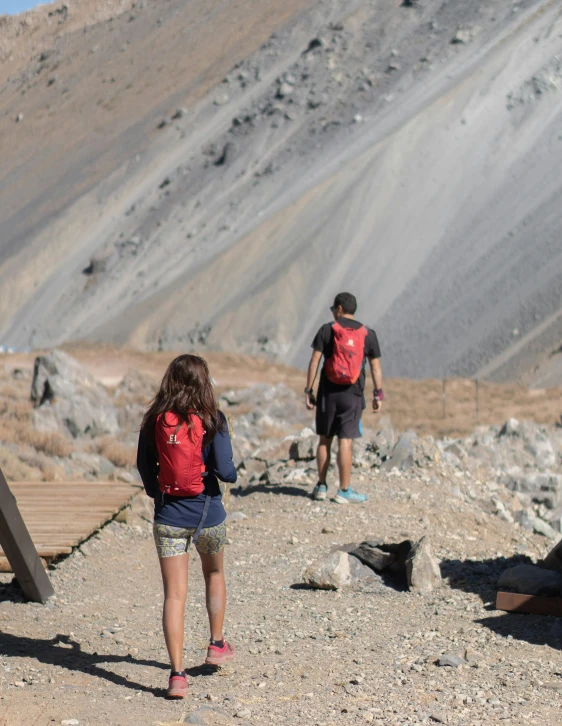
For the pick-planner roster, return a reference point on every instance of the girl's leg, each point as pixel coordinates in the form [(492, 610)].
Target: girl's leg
[(215, 591), (174, 576)]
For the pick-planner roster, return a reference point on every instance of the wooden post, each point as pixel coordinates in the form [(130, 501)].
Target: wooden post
[(20, 550)]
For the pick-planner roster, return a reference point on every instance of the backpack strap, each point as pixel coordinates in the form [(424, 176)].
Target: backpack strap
[(202, 520)]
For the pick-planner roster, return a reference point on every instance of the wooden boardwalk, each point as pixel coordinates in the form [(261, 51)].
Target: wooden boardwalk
[(61, 515)]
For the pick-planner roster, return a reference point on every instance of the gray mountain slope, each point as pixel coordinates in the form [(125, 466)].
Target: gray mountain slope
[(410, 154)]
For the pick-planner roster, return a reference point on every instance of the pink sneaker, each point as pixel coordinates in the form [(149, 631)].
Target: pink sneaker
[(177, 687), (220, 656)]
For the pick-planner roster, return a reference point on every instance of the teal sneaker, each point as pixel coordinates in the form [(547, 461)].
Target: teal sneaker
[(320, 492), (348, 496)]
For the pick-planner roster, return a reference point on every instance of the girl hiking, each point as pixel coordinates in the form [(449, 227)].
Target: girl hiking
[(184, 450)]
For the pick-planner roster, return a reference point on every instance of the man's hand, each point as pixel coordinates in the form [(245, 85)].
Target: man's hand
[(377, 405), (310, 401)]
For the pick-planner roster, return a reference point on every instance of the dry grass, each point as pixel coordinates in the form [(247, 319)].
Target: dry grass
[(119, 454)]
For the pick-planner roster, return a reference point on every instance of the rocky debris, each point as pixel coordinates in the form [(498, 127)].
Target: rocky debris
[(422, 570), (68, 398), (531, 580)]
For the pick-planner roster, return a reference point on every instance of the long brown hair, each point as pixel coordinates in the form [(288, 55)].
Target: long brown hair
[(185, 389)]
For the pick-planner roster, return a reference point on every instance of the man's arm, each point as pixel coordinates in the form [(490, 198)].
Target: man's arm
[(311, 375), (376, 375)]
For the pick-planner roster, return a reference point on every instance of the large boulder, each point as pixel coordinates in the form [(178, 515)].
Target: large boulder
[(68, 398)]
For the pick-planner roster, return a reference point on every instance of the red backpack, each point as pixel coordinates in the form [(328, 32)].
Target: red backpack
[(180, 455), (344, 366)]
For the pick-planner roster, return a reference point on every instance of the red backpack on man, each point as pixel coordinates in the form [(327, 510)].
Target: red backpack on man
[(180, 455), (345, 364)]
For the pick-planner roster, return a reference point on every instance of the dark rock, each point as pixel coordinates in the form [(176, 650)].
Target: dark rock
[(531, 580), (381, 556)]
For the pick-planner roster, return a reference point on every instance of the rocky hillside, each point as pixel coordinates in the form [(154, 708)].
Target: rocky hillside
[(196, 173)]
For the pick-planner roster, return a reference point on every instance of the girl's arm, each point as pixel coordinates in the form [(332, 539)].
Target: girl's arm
[(147, 464), (222, 449)]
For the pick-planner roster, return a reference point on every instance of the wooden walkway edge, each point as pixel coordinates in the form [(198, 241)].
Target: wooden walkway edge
[(61, 515)]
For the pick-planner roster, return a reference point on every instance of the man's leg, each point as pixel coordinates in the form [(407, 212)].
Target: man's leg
[(349, 428), (320, 491), (345, 458), (323, 457)]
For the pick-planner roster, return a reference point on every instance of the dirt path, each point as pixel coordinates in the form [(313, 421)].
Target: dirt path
[(304, 657)]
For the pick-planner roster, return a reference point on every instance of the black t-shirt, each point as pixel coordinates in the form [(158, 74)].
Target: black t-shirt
[(324, 343)]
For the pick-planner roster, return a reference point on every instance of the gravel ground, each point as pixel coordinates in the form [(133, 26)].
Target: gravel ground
[(368, 654)]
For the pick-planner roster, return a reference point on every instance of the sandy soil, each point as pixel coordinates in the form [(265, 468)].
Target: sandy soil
[(96, 653)]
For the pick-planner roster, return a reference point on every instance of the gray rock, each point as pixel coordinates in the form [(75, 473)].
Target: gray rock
[(304, 448), (544, 528), (531, 580), (329, 573), (68, 397), (451, 660), (422, 570), (358, 572), (402, 456)]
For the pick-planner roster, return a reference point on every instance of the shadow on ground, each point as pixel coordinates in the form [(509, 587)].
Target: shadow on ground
[(480, 577), (66, 653), (289, 491)]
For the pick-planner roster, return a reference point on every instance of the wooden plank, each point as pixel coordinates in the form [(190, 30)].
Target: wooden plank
[(61, 515), (515, 603), (20, 550)]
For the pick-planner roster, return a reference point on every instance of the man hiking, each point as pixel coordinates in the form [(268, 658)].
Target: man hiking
[(345, 344)]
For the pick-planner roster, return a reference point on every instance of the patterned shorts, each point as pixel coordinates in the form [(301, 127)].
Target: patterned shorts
[(171, 541)]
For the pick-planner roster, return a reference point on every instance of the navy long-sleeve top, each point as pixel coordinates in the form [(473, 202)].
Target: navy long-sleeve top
[(187, 511)]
